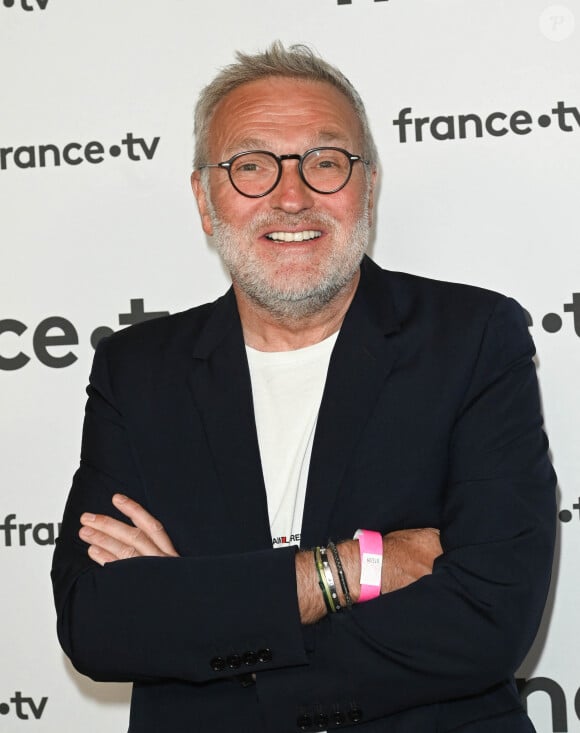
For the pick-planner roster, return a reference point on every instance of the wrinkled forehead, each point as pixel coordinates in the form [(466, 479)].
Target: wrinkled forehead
[(277, 112)]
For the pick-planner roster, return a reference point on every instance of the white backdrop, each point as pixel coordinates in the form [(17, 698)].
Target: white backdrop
[(110, 86)]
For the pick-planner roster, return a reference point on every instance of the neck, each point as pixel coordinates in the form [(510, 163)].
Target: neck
[(265, 331)]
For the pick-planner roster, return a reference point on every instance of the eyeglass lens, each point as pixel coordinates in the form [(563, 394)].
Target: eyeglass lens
[(324, 169)]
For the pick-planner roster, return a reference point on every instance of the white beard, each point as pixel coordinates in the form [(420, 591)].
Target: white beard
[(289, 297)]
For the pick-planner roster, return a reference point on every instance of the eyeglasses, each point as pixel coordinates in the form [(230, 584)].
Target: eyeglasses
[(255, 173)]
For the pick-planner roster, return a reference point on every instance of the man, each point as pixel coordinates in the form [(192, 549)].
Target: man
[(320, 396)]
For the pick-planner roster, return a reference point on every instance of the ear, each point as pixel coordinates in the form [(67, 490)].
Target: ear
[(202, 203), (374, 174)]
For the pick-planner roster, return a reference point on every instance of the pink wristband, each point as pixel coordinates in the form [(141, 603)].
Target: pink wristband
[(371, 562)]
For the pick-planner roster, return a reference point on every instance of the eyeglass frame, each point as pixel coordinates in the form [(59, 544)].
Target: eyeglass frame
[(227, 165)]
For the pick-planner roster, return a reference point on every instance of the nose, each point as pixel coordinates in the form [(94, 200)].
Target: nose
[(291, 194)]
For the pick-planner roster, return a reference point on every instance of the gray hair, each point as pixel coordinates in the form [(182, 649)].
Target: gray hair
[(296, 62)]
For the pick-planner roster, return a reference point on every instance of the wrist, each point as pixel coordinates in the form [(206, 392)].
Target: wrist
[(310, 601)]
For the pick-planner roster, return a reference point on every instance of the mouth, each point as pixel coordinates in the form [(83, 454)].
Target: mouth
[(302, 236)]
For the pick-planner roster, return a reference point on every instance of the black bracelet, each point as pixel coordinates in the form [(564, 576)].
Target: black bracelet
[(341, 574)]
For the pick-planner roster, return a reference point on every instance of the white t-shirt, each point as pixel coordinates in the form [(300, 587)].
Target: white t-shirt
[(287, 389)]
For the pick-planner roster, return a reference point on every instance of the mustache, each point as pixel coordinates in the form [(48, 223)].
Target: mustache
[(276, 219), (279, 221)]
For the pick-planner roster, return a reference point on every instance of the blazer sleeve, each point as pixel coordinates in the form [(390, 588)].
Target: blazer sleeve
[(192, 618), (467, 627)]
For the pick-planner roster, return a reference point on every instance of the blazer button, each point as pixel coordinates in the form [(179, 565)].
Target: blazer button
[(234, 661), (265, 655), (322, 720), (218, 664), (304, 722), (355, 715), (246, 680), (250, 658), (338, 718)]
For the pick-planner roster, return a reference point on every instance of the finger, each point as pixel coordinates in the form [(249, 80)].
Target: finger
[(100, 556), (112, 547), (146, 522), (115, 536), (435, 542)]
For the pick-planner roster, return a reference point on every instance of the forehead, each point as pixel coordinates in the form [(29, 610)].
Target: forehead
[(280, 113)]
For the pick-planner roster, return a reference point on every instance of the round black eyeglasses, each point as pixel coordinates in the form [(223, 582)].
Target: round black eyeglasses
[(255, 173)]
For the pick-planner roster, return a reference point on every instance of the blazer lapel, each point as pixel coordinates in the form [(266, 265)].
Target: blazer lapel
[(362, 359), (222, 391)]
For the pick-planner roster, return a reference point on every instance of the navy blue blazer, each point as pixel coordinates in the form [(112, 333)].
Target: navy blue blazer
[(430, 418)]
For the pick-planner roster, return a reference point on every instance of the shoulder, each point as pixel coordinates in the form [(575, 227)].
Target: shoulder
[(169, 337), (440, 302), (452, 323)]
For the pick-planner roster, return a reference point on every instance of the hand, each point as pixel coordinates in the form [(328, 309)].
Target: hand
[(408, 554), (110, 540)]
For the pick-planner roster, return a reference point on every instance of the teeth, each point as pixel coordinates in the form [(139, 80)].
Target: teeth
[(294, 236)]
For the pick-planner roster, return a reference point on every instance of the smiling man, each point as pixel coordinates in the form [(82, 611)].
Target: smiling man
[(337, 507), (294, 253)]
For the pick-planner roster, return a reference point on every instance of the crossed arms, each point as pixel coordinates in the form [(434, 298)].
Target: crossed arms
[(409, 554), (135, 611)]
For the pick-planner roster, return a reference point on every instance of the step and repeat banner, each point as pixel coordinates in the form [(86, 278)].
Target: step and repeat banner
[(475, 105)]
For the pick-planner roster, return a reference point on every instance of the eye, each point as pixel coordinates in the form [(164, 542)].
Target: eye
[(253, 164), (247, 167), (326, 163)]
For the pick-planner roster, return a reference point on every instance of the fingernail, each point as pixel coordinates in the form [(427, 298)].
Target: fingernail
[(86, 532), (120, 498), (88, 517)]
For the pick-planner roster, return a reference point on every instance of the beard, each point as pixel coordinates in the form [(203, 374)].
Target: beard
[(288, 293)]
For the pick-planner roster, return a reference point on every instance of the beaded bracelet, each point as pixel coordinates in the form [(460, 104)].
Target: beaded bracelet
[(341, 574)]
